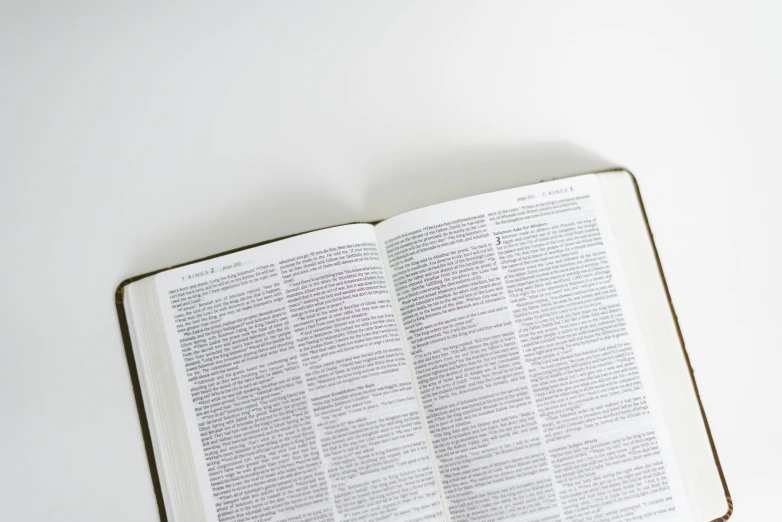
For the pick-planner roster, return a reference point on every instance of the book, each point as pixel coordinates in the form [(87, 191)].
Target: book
[(507, 356)]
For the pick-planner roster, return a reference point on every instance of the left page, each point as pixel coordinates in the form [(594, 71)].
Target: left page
[(297, 397)]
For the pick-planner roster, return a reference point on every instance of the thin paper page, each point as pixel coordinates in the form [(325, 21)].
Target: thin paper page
[(536, 391), (295, 385)]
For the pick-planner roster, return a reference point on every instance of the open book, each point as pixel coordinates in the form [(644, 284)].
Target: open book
[(509, 356)]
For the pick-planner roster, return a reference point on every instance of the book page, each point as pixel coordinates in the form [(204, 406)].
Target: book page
[(536, 391), (297, 396)]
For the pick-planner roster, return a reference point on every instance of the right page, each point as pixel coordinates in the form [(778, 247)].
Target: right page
[(538, 398)]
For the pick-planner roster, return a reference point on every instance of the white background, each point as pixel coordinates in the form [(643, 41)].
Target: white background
[(140, 136)]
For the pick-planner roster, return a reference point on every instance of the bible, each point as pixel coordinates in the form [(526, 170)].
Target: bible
[(507, 356)]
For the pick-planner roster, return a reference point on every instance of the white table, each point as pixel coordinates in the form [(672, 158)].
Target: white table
[(141, 136)]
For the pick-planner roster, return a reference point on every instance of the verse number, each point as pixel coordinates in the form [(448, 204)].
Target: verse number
[(498, 240)]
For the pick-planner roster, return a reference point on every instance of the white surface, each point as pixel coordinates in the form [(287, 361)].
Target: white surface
[(140, 136)]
